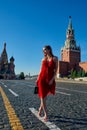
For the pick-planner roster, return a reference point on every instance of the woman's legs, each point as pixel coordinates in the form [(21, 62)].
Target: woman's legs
[(40, 109), (43, 106)]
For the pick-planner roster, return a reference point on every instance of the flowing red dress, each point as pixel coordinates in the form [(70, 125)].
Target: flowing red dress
[(46, 74)]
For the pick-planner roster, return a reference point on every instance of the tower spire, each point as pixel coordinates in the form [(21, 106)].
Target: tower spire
[(70, 30), (4, 55), (70, 23), (5, 45)]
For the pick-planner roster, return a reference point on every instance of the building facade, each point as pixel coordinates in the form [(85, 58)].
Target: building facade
[(70, 54), (6, 68)]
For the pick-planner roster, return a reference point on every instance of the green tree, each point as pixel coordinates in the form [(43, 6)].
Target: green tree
[(83, 73), (79, 74), (21, 76), (71, 73), (74, 74)]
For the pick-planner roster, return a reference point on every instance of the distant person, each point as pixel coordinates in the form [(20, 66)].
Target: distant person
[(46, 78)]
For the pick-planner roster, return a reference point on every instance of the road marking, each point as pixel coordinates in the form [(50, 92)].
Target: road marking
[(5, 86), (72, 90), (16, 95), (63, 93), (49, 124), (2, 82), (13, 119)]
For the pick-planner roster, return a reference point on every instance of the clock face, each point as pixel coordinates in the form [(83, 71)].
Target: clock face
[(72, 43)]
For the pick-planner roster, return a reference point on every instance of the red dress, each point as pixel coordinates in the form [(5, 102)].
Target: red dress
[(46, 74)]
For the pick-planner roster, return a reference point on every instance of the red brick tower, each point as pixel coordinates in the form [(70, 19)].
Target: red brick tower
[(70, 52)]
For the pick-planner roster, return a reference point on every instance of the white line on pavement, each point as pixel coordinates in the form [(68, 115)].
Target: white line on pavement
[(63, 93), (2, 82), (72, 90), (49, 124), (16, 95), (5, 86)]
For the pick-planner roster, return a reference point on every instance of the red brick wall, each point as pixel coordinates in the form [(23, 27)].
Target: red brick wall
[(71, 56), (65, 56), (83, 66), (74, 56), (62, 68)]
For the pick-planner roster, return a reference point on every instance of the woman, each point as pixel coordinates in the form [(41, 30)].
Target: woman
[(46, 78)]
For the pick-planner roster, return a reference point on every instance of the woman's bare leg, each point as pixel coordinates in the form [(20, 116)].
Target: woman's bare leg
[(43, 102), (40, 109), (43, 107)]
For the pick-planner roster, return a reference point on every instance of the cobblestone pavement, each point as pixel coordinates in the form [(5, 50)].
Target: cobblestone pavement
[(67, 109)]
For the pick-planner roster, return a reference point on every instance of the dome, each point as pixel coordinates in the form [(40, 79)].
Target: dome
[(12, 58)]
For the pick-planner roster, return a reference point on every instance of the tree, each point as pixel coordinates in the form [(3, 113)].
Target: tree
[(21, 76), (79, 74), (73, 74), (85, 74)]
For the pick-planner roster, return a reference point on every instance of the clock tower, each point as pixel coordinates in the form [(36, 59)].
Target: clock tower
[(70, 52)]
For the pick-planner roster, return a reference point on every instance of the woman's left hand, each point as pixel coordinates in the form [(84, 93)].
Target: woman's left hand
[(50, 82)]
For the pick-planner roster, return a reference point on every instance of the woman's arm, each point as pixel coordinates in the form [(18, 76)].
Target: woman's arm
[(56, 65), (39, 71), (55, 59)]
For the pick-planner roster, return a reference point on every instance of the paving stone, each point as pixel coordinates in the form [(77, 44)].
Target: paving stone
[(67, 112)]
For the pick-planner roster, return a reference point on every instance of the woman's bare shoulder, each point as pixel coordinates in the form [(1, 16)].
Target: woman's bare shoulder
[(43, 59)]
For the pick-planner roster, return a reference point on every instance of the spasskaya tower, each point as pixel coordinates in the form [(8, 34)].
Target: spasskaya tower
[(70, 52)]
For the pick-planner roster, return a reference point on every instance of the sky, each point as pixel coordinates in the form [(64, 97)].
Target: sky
[(27, 25)]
